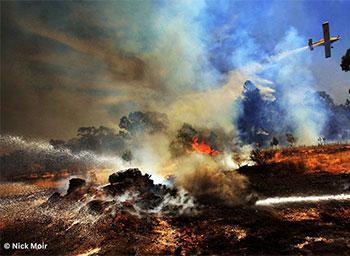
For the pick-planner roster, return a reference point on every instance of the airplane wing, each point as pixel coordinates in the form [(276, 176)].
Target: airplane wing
[(327, 50), (326, 37), (325, 27)]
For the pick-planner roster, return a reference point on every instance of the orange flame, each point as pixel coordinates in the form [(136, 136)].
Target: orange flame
[(203, 148)]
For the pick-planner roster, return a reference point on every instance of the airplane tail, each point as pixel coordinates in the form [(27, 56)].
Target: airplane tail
[(310, 44)]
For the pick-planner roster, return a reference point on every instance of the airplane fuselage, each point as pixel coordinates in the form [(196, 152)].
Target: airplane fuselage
[(322, 41)]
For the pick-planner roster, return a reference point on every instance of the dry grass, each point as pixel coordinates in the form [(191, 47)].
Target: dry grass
[(332, 158)]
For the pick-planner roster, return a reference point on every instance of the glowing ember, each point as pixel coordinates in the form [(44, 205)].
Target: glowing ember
[(203, 148)]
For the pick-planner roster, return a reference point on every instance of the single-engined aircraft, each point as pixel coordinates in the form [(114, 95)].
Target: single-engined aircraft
[(326, 41)]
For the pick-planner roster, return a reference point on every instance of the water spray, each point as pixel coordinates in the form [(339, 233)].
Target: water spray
[(255, 67), (43, 149), (285, 54), (302, 199)]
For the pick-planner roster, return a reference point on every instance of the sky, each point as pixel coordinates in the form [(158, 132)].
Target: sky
[(66, 64)]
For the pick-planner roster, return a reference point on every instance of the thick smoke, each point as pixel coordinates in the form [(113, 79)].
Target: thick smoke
[(207, 180), (146, 57), (291, 104), (294, 79), (124, 57)]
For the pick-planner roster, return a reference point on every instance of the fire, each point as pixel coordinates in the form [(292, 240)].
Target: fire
[(203, 148)]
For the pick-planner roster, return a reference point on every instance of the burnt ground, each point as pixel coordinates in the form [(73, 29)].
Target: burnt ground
[(212, 229), (308, 229)]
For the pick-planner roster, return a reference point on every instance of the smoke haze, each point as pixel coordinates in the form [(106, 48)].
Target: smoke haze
[(100, 61)]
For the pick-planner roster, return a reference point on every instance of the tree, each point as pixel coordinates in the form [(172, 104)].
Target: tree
[(345, 61), (57, 144), (87, 140), (258, 156), (321, 140), (86, 131), (144, 122), (127, 155), (274, 142), (347, 102), (290, 138)]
